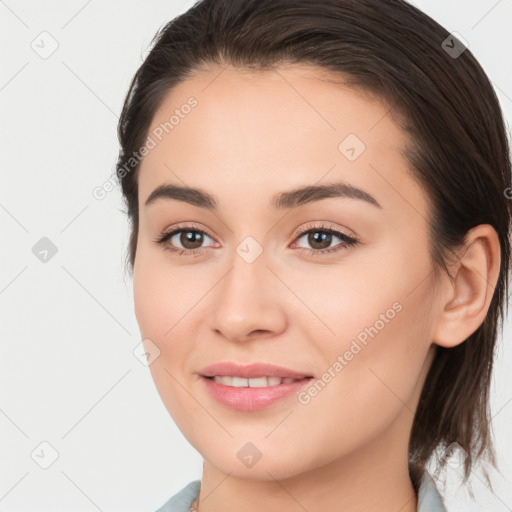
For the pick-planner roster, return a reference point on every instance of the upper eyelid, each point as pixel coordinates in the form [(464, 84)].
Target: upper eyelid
[(186, 227), (323, 227)]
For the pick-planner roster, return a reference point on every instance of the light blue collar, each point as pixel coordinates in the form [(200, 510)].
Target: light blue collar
[(429, 499)]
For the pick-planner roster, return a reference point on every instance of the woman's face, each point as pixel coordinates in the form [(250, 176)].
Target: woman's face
[(268, 284)]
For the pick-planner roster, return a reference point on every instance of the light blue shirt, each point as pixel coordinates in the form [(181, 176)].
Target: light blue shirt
[(429, 499)]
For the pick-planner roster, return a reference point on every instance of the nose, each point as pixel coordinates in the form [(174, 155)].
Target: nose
[(249, 302)]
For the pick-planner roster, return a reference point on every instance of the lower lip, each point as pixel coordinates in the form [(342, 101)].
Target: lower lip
[(252, 399)]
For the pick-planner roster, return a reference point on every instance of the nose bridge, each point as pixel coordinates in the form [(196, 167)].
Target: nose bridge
[(247, 278), (246, 299), (248, 259)]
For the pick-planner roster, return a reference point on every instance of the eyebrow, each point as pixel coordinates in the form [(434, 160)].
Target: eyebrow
[(288, 199)]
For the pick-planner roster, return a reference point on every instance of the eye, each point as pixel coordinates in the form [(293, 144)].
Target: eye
[(185, 240), (320, 239), (188, 240)]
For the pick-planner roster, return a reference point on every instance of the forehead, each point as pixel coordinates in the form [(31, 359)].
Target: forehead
[(272, 129)]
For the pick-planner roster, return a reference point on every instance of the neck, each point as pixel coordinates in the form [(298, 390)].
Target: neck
[(373, 477)]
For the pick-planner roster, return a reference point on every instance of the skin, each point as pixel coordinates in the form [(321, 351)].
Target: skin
[(251, 136)]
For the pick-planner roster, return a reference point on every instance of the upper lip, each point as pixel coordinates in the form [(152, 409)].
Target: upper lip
[(250, 371)]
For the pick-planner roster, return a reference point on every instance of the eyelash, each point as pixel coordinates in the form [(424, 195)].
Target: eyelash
[(347, 241)]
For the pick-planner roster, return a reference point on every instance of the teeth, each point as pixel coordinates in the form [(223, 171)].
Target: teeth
[(259, 382)]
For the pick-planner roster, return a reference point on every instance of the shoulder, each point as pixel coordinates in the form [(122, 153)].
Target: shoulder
[(181, 501), (429, 499)]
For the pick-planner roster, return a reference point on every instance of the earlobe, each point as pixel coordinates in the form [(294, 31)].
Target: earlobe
[(471, 289)]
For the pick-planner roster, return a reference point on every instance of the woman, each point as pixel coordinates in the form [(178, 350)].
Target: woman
[(319, 247)]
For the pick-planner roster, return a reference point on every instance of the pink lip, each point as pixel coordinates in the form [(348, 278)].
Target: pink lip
[(252, 399), (251, 371)]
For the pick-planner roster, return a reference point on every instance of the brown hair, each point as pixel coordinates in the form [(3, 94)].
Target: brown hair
[(445, 102)]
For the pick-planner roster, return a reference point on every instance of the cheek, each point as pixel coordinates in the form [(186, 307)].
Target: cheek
[(366, 385), (161, 302), (372, 331), (169, 304), (163, 295), (147, 296)]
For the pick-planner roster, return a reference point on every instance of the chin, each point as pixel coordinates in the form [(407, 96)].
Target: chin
[(250, 462)]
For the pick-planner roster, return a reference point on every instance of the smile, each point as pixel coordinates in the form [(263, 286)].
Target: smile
[(258, 382)]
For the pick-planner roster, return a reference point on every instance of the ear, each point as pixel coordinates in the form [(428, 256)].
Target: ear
[(467, 297)]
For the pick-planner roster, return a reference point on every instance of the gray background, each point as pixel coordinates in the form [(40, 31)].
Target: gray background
[(68, 373)]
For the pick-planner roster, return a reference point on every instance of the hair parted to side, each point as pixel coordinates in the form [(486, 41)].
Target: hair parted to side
[(460, 154)]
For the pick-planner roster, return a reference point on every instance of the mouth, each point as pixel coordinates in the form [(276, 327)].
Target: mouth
[(252, 387), (255, 382), (252, 375)]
